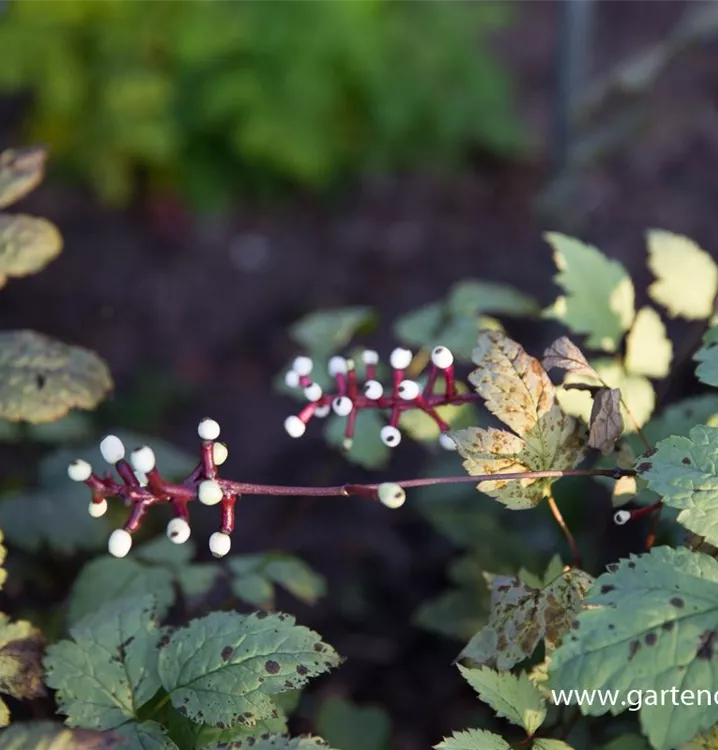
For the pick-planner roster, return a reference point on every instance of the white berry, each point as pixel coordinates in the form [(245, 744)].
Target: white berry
[(390, 436), (342, 406), (400, 358), (322, 411), (219, 453), (391, 494), (178, 530), (302, 365), (112, 449), (408, 390), (219, 544), (79, 471), (621, 517), (370, 357), (209, 492), (373, 390), (337, 366), (291, 379), (120, 543), (97, 510), (294, 426), (446, 442), (143, 459), (442, 357), (208, 429), (313, 392)]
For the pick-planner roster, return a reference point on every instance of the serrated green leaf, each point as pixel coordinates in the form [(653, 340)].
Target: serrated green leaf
[(469, 298), (146, 736), (648, 625), (686, 276), (50, 735), (27, 245), (512, 697), (522, 616), (599, 295), (648, 350), (349, 726), (106, 578), (325, 332), (683, 472), (473, 739), (275, 742), (21, 171), (213, 738), (367, 449), (21, 647), (546, 744), (518, 391), (707, 358), (221, 669), (677, 419), (109, 668)]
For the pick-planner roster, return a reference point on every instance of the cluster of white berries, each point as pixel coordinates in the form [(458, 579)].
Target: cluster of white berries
[(405, 391)]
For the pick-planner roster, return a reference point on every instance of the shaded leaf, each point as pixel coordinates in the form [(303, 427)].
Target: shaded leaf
[(648, 624), (512, 697), (21, 171), (325, 332), (41, 379), (148, 735), (254, 589), (3, 555), (296, 577), (686, 276), (473, 739), (108, 670), (677, 419), (367, 449), (648, 350), (27, 245), (599, 294), (222, 668), (606, 422), (21, 647), (469, 298), (705, 741), (274, 742), (707, 358), (349, 726), (547, 744), (421, 327), (565, 355), (50, 735)]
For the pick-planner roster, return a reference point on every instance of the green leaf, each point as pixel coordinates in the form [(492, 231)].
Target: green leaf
[(512, 697), (473, 739), (649, 624), (522, 616), (457, 613), (367, 450), (705, 741), (146, 736), (254, 589), (207, 737), (648, 350), (683, 472), (686, 276), (274, 742), (325, 332), (518, 391), (677, 419), (599, 294), (27, 245), (106, 578), (75, 426), (296, 577), (21, 171), (49, 735), (469, 298), (222, 668), (628, 742), (41, 379), (197, 579), (108, 670), (21, 647), (546, 744), (421, 327), (350, 726), (707, 358), (420, 426)]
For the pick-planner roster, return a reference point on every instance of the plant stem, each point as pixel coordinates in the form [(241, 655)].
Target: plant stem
[(564, 527)]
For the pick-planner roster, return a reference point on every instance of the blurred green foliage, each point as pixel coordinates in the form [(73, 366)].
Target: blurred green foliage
[(213, 97)]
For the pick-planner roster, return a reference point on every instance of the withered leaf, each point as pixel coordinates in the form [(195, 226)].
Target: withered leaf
[(21, 171), (27, 245), (565, 355), (606, 420), (21, 648)]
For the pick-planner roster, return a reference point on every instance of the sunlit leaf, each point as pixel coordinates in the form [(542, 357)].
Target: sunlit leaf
[(21, 171), (50, 735), (27, 245), (704, 741), (606, 422), (473, 739), (565, 355), (21, 647), (648, 350)]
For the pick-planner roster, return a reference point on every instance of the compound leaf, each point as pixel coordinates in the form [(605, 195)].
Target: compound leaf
[(146, 736), (222, 668), (686, 276), (599, 295), (49, 735), (683, 472), (512, 697), (648, 350), (649, 624), (109, 668), (21, 647), (324, 332), (707, 358), (21, 171), (473, 739), (518, 391), (27, 245), (41, 379)]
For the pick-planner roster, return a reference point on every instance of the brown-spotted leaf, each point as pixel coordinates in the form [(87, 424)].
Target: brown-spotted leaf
[(565, 355), (21, 648), (521, 616), (21, 171), (51, 735), (41, 378), (606, 420), (27, 245), (3, 555)]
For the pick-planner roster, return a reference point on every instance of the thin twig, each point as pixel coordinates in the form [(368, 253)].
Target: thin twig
[(564, 527)]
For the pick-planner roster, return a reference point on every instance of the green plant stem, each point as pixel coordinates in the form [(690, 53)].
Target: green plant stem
[(564, 527)]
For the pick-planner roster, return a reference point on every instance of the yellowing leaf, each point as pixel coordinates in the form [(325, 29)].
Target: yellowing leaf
[(606, 420), (21, 171), (686, 276), (648, 350), (21, 647), (519, 392), (27, 245), (599, 299), (706, 741), (41, 379), (3, 555)]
